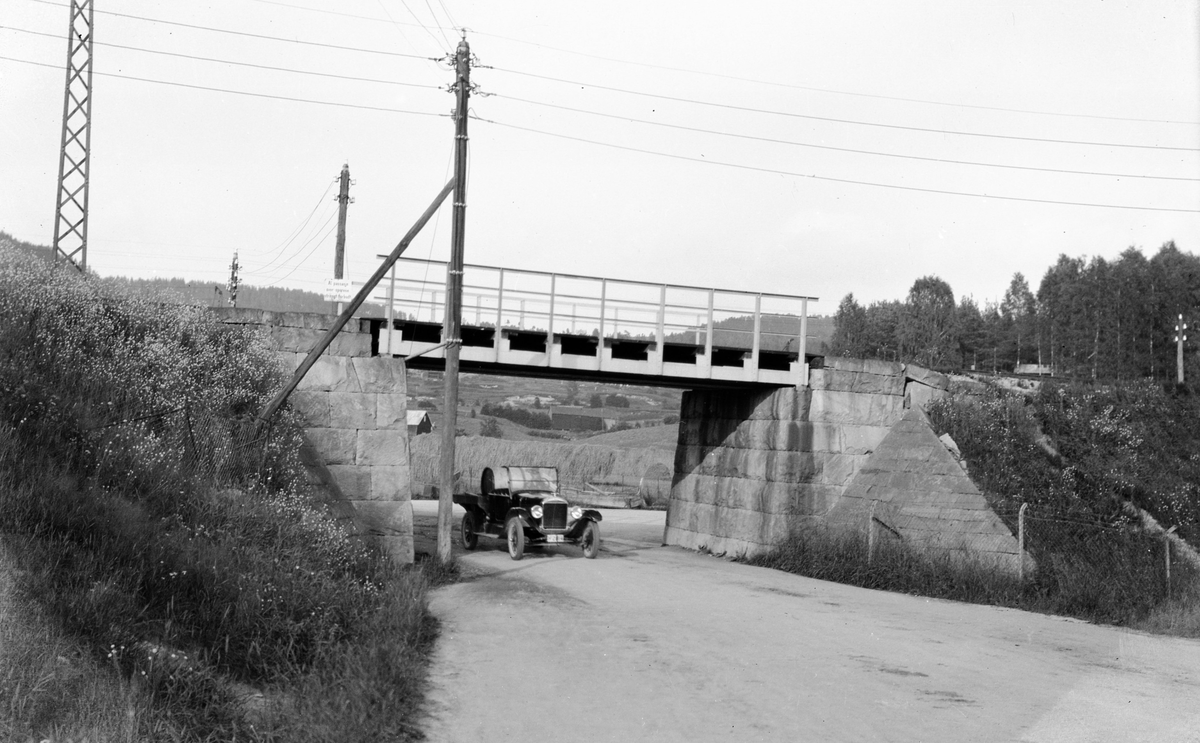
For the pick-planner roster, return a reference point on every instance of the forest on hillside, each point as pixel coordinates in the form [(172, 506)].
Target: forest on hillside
[(1089, 318), (209, 293)]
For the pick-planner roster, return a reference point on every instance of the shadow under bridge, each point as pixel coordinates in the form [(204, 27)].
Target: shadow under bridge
[(532, 323)]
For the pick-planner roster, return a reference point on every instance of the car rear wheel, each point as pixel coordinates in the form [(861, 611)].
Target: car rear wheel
[(516, 538), (590, 541), (467, 533)]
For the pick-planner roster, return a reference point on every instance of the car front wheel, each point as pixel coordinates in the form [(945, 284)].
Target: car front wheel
[(516, 538), (467, 533), (590, 541)]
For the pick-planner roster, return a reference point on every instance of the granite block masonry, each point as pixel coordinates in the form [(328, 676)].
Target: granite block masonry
[(353, 406), (750, 466), (914, 487)]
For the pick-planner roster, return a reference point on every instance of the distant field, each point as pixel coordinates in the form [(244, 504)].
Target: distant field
[(578, 462), (657, 437)]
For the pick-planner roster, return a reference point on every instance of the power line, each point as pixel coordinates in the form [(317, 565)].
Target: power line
[(447, 12), (669, 68), (831, 91), (736, 78), (833, 148), (433, 15), (283, 264), (414, 15), (231, 62), (773, 171), (333, 12), (789, 114), (247, 33), (291, 237), (236, 92), (303, 260)]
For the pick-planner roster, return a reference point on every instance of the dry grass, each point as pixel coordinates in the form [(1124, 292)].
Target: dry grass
[(576, 463), (658, 437), (1179, 615)]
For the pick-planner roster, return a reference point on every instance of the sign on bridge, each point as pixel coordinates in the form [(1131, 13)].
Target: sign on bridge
[(337, 290)]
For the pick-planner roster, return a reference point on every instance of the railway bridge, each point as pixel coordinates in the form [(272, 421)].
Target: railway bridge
[(770, 434)]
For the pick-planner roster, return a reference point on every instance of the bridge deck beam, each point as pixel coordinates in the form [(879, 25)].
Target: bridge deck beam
[(523, 351)]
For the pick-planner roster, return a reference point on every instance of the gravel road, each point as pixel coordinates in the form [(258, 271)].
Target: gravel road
[(650, 643)]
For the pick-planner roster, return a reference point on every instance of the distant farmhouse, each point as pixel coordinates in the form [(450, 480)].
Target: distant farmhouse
[(418, 422)]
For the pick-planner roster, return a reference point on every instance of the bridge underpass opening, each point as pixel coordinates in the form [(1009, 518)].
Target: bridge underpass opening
[(613, 443)]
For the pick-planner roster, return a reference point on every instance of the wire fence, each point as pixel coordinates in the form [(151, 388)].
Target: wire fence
[(1119, 558), (155, 448), (1123, 556)]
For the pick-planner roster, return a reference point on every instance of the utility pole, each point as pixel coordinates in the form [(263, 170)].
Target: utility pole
[(233, 280), (454, 275), (1180, 327), (71, 209), (339, 254)]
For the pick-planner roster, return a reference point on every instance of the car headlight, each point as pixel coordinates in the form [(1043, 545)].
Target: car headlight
[(536, 512), (576, 513)]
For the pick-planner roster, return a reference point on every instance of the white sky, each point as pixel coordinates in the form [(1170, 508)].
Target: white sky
[(182, 177)]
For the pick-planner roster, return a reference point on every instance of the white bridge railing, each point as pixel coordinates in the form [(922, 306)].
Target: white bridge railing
[(565, 305)]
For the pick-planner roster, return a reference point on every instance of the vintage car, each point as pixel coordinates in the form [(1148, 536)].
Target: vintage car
[(522, 506)]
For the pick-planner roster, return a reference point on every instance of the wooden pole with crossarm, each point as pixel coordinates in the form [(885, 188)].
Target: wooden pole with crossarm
[(451, 328)]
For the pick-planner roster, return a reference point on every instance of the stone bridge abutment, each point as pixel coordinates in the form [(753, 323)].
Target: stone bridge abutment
[(753, 466), (354, 410)]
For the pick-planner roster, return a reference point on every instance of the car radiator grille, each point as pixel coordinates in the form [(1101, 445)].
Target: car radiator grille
[(554, 515)]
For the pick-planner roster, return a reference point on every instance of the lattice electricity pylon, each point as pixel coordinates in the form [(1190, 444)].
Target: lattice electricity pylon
[(70, 216)]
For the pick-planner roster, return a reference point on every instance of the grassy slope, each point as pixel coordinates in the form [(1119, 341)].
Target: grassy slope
[(181, 558), (51, 683), (655, 437)]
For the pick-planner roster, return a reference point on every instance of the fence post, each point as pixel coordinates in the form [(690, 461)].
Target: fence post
[(871, 534), (1167, 550), (1021, 543)]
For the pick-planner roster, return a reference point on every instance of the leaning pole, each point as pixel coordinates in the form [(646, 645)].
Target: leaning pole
[(318, 349)]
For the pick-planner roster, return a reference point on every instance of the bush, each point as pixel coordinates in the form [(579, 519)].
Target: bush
[(491, 429), (527, 418), (1080, 456), (162, 525), (548, 435)]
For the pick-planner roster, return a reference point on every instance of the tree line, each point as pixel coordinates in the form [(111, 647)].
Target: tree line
[(1092, 318)]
